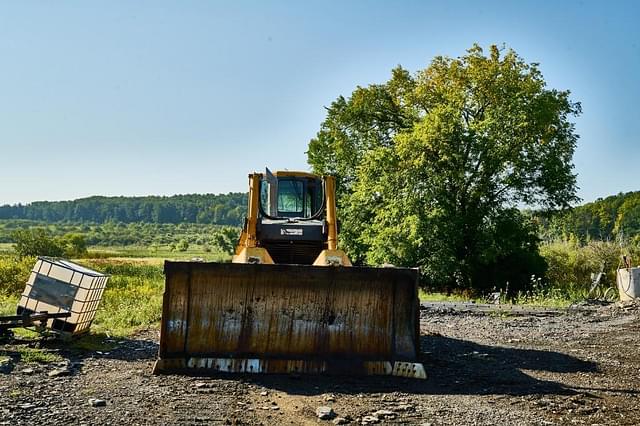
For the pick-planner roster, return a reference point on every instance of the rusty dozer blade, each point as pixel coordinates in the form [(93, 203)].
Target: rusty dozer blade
[(253, 318)]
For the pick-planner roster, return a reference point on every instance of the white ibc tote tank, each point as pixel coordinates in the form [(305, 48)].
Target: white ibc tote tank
[(628, 280)]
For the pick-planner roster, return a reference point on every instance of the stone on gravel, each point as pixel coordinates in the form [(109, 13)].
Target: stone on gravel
[(27, 406), (5, 367), (96, 402), (27, 371), (340, 421), (585, 411), (264, 393), (64, 371), (368, 420), (381, 414), (325, 413), (403, 407)]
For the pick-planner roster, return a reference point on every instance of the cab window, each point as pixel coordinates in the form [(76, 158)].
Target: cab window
[(290, 196)]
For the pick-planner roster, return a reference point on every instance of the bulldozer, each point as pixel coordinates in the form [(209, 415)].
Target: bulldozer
[(290, 301)]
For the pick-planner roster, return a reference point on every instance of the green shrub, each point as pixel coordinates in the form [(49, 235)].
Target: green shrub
[(183, 245), (36, 242), (74, 245), (8, 304), (39, 242), (225, 239), (14, 272), (570, 264)]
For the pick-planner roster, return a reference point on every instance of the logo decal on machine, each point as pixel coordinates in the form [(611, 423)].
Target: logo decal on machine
[(291, 231)]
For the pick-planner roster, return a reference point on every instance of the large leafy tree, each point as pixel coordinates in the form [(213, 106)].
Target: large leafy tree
[(433, 166)]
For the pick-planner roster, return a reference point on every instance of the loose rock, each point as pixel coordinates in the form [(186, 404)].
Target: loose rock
[(325, 413), (382, 414), (403, 407), (59, 372), (96, 402), (27, 406)]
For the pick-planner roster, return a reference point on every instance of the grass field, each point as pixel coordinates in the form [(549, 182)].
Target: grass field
[(156, 253), (133, 297)]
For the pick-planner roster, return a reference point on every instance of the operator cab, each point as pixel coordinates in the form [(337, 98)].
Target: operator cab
[(291, 223), (291, 195)]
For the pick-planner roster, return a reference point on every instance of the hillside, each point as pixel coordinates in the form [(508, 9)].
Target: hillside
[(222, 209), (604, 219)]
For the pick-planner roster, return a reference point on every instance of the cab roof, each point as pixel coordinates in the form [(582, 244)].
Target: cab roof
[(291, 173)]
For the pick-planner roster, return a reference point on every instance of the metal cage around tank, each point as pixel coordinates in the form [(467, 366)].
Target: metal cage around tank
[(59, 286)]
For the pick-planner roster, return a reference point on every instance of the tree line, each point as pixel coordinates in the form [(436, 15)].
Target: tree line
[(606, 219), (222, 209)]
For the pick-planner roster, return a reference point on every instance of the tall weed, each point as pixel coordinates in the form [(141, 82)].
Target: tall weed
[(133, 298), (14, 272), (571, 265)]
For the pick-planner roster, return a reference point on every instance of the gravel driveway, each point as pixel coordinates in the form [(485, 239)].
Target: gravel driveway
[(485, 367)]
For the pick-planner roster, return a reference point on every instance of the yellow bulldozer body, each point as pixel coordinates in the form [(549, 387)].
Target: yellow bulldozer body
[(255, 315)]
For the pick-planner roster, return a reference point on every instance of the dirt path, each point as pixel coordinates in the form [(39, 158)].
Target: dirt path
[(484, 368)]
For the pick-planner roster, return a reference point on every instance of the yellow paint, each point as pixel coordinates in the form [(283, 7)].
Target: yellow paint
[(330, 194), (248, 236), (253, 255), (289, 173), (332, 258), (249, 240)]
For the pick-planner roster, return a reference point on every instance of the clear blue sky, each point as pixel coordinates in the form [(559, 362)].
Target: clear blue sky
[(152, 97)]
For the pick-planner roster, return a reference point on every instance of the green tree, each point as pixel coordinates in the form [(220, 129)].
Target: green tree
[(36, 242), (225, 239), (183, 245), (606, 219), (431, 167), (74, 245)]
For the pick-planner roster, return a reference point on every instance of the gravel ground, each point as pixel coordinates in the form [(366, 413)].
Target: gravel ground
[(485, 368)]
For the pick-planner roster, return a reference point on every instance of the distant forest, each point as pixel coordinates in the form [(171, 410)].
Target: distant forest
[(222, 209), (605, 219)]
